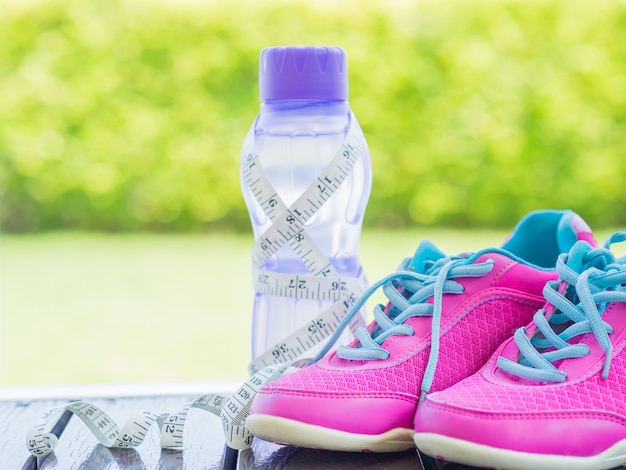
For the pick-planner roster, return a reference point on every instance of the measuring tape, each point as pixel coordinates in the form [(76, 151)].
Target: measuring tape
[(232, 410), (323, 284), (288, 222), (306, 287)]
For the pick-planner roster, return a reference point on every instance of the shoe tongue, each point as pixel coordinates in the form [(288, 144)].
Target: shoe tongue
[(426, 254)]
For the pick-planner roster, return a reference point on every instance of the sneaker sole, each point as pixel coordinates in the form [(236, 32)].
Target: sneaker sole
[(287, 431), (469, 453)]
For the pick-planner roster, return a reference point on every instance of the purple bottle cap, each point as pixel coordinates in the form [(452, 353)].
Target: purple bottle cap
[(303, 72)]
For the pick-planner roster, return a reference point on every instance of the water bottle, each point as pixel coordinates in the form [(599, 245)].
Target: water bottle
[(292, 159)]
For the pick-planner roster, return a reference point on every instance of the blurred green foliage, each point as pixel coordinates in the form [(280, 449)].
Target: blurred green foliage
[(129, 114)]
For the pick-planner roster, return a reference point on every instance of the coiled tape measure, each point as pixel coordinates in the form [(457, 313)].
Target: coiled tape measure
[(322, 284), (232, 410)]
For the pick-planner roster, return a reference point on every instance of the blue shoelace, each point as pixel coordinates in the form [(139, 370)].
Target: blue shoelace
[(428, 274), (591, 279)]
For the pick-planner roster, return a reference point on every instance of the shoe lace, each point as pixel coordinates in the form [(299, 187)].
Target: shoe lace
[(428, 274), (590, 279)]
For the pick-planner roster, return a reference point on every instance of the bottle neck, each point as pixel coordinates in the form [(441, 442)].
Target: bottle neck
[(306, 107), (318, 117)]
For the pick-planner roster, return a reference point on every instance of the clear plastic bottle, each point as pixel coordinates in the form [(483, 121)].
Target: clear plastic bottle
[(304, 119)]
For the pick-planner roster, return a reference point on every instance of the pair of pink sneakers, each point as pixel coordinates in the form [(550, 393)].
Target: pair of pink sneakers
[(424, 373)]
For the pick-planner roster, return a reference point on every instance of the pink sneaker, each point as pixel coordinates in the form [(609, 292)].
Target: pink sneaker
[(554, 395), (445, 317)]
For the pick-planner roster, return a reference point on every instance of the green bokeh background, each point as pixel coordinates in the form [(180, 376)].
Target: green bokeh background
[(128, 115)]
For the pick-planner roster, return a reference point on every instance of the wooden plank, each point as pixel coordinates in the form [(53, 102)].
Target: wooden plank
[(113, 390), (203, 448), (204, 443)]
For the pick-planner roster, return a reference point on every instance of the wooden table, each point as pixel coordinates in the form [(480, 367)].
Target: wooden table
[(21, 408)]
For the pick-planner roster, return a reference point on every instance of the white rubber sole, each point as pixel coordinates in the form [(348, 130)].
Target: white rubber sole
[(469, 453), (287, 431)]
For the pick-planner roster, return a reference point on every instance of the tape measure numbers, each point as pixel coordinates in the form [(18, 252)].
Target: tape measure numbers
[(306, 287)]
